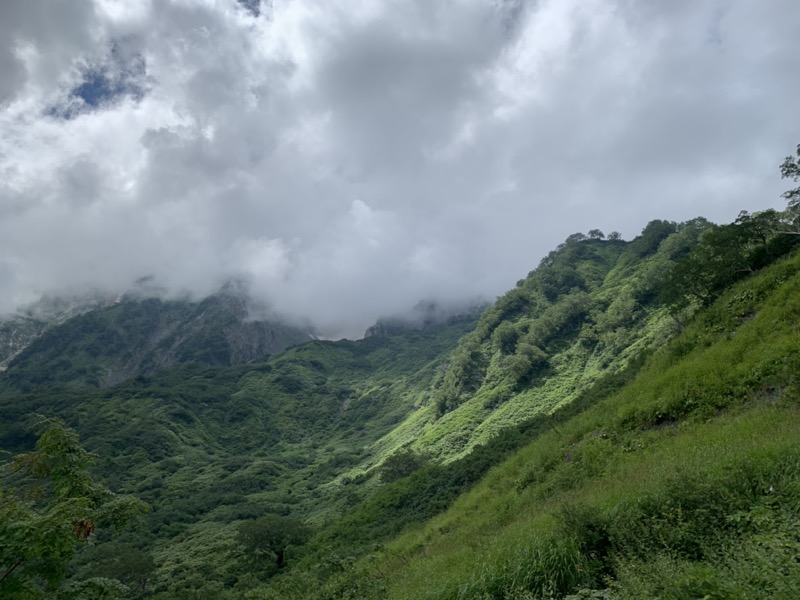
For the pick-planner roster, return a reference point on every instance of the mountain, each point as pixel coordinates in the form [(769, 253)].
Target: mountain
[(208, 446), (624, 418), (107, 345)]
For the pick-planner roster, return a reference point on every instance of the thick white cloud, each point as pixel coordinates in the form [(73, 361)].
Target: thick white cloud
[(351, 158)]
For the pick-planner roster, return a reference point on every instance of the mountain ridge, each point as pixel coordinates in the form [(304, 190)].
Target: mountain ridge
[(107, 345)]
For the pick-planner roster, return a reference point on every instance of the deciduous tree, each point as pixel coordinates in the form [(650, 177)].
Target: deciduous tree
[(790, 169), (49, 504), (269, 537)]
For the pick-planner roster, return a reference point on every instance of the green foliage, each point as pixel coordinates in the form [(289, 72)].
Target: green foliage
[(123, 562), (268, 538), (547, 568), (505, 337), (464, 374), (401, 464), (790, 169), (724, 255), (49, 506), (651, 237), (720, 259), (589, 307), (210, 447), (681, 483), (430, 490)]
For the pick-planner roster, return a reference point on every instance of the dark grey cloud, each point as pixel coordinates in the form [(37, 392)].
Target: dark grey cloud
[(349, 159)]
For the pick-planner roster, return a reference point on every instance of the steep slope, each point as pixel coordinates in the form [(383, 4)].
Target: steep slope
[(20, 329), (590, 307), (356, 441), (312, 431), (684, 483)]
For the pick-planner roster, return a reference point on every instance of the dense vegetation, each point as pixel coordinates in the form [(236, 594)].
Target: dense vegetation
[(49, 503), (212, 448), (621, 424)]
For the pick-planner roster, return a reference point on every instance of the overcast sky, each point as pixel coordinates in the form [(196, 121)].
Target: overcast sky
[(351, 158)]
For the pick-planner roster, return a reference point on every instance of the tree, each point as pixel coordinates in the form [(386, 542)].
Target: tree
[(575, 238), (125, 563), (49, 505), (596, 234), (270, 536), (527, 359), (651, 237), (790, 169), (401, 464), (723, 255), (505, 337), (464, 375), (559, 280), (759, 230)]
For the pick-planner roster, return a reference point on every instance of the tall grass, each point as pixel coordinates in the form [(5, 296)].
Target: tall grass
[(682, 485)]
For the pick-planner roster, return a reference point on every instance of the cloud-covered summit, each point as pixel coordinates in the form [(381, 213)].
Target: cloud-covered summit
[(352, 158)]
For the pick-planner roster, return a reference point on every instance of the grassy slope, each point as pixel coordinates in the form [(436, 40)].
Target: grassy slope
[(683, 484)]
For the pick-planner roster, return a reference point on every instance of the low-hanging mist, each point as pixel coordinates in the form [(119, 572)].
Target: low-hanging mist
[(348, 161)]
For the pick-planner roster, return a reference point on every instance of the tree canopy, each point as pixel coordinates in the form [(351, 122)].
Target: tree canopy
[(790, 169), (267, 538), (49, 504)]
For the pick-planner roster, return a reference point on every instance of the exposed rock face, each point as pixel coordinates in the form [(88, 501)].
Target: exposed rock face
[(19, 330)]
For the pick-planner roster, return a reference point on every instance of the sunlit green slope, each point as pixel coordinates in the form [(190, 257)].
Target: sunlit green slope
[(589, 308), (310, 432), (685, 483)]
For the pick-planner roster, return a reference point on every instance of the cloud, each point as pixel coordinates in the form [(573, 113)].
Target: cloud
[(351, 159)]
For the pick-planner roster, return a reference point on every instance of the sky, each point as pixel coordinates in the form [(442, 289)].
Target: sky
[(347, 159)]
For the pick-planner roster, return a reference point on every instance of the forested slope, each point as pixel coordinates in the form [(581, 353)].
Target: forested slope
[(208, 447)]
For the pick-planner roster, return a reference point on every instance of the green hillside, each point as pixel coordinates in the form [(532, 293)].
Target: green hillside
[(590, 307), (683, 484), (622, 422)]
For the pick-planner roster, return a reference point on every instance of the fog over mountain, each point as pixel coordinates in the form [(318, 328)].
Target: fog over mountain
[(349, 159)]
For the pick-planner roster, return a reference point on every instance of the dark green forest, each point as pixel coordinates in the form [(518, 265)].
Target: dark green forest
[(623, 423)]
